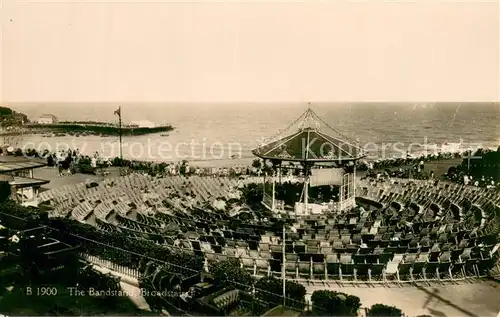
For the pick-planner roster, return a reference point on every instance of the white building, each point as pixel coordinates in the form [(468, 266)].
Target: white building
[(143, 124), (46, 119)]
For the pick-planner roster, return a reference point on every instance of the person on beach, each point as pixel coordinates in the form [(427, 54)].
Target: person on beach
[(60, 169)]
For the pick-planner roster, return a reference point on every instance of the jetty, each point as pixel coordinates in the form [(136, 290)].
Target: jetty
[(93, 128)]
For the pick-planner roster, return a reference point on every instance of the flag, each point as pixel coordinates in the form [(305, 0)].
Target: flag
[(118, 111)]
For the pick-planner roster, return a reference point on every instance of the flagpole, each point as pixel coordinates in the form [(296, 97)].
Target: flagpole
[(120, 132)]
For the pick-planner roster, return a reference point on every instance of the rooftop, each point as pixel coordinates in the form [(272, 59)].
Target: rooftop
[(309, 142), (13, 166), (28, 182), (47, 116)]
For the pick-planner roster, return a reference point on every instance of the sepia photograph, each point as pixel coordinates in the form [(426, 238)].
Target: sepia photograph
[(250, 158)]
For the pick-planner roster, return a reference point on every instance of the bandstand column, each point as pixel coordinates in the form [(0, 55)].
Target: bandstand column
[(280, 172), (341, 194), (264, 188)]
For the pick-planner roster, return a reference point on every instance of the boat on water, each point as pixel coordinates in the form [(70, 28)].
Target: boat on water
[(164, 134)]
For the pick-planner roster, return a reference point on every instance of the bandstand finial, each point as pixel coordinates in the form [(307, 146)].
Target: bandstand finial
[(309, 120)]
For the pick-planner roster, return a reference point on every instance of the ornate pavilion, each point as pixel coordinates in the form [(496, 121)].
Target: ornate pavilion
[(323, 160)]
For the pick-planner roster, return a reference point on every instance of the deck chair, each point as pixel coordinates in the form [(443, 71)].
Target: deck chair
[(338, 247), (417, 270), (291, 257), (264, 246), (457, 269), (470, 262), (319, 270), (275, 268), (221, 257), (332, 266), (431, 270), (211, 257), (230, 251), (291, 269), (241, 252), (231, 243), (403, 273), (444, 266), (253, 245), (485, 263), (242, 243), (326, 250), (312, 249), (359, 258), (265, 254), (375, 272), (391, 272), (299, 247), (276, 248), (216, 248), (385, 257), (304, 270), (262, 267), (346, 266), (361, 271), (372, 258), (248, 265)]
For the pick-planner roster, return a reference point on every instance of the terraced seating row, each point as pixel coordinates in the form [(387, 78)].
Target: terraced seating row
[(64, 208), (60, 194), (134, 225), (134, 185), (346, 266), (80, 191), (424, 194), (203, 188), (450, 255), (403, 232)]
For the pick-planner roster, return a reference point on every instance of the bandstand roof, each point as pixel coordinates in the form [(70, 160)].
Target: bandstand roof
[(309, 143)]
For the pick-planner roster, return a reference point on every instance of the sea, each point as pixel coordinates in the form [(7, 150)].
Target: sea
[(214, 134)]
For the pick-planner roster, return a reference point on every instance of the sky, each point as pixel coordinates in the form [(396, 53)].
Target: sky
[(240, 51)]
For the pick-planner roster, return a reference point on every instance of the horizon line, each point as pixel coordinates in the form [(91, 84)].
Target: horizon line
[(306, 103)]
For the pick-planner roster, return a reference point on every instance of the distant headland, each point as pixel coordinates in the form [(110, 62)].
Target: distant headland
[(13, 123)]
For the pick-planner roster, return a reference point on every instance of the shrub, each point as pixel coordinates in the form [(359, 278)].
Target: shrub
[(4, 111), (257, 163), (382, 310), (230, 272), (185, 263), (334, 303), (5, 191), (270, 290), (252, 194)]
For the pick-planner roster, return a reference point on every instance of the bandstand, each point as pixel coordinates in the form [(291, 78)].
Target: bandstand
[(318, 159)]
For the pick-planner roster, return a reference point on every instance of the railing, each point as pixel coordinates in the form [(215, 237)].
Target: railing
[(111, 266)]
